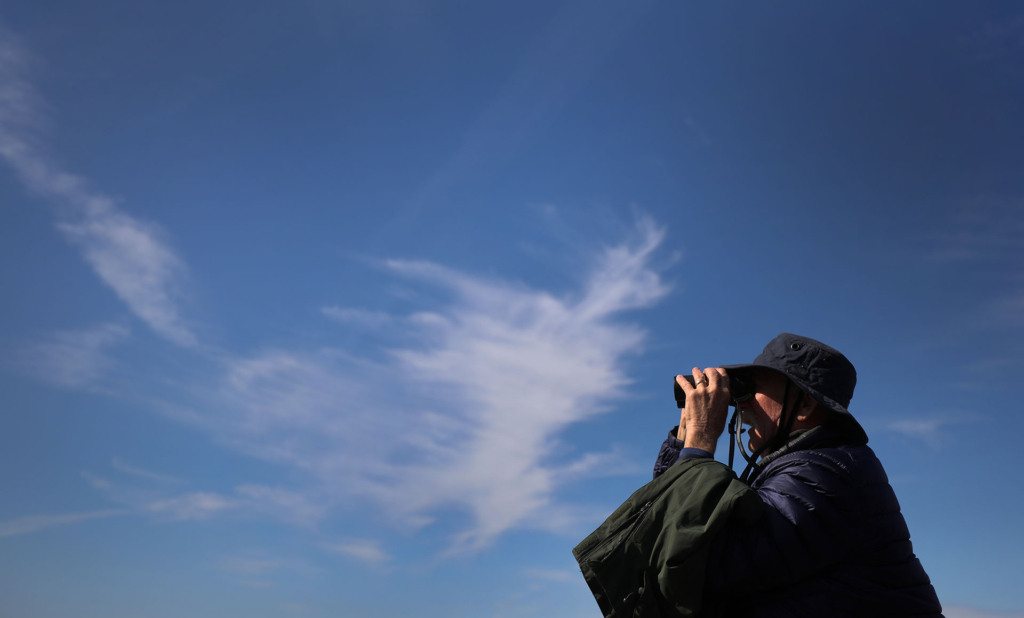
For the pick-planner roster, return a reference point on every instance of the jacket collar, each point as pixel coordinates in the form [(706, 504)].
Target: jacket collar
[(805, 439)]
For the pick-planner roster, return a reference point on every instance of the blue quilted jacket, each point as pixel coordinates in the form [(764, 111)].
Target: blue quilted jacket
[(832, 541)]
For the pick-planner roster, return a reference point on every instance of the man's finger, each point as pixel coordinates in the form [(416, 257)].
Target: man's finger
[(712, 377), (723, 380), (684, 384), (698, 376)]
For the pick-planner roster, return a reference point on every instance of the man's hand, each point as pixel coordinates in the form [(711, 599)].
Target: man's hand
[(702, 421)]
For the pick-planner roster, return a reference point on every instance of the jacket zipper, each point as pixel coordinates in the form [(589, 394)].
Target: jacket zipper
[(632, 528), (639, 518)]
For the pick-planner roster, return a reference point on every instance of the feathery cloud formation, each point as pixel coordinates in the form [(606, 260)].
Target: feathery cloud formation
[(34, 523), (468, 418), (73, 359), (128, 255), (465, 415)]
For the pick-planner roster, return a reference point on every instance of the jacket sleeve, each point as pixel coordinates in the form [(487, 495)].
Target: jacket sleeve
[(809, 523), (669, 452)]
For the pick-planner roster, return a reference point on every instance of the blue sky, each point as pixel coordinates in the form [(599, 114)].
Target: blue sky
[(340, 309)]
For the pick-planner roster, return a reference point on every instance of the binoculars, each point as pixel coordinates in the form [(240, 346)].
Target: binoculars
[(741, 386)]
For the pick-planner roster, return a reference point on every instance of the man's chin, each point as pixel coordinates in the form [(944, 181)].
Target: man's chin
[(755, 443)]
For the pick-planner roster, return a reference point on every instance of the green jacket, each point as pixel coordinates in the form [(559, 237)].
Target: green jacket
[(648, 557)]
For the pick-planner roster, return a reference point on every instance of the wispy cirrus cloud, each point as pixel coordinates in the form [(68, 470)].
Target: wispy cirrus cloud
[(469, 417), (73, 359), (127, 468), (130, 256), (300, 508), (293, 507), (35, 523), (931, 430), (363, 550), (258, 569), (466, 416), (196, 505), (357, 317)]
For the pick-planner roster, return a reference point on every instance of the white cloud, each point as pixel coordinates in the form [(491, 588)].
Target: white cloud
[(122, 466), (73, 359), (468, 418), (127, 254), (613, 463), (525, 365), (33, 523), (197, 505), (363, 550), (257, 569), (357, 317), (282, 504), (293, 507), (930, 429), (97, 482)]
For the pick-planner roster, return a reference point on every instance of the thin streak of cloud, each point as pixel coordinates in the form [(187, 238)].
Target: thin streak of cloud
[(255, 568), (73, 359), (366, 551), (357, 317), (122, 466), (97, 482), (193, 506), (929, 430), (34, 523), (300, 508), (282, 504), (612, 463), (128, 255)]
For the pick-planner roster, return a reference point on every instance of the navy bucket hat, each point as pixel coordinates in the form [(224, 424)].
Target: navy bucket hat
[(819, 370)]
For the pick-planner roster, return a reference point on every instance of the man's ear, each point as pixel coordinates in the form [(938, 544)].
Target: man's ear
[(809, 408)]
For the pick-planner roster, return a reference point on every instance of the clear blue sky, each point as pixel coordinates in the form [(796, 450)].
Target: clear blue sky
[(371, 308)]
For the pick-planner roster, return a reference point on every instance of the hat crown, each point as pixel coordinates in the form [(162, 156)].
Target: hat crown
[(814, 366)]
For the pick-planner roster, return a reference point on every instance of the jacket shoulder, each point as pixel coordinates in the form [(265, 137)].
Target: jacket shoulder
[(855, 466)]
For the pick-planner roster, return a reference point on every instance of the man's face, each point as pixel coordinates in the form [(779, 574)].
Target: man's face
[(763, 410)]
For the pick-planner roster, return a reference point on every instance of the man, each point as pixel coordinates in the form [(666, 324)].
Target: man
[(832, 541)]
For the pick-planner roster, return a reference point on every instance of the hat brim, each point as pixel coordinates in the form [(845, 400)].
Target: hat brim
[(824, 400)]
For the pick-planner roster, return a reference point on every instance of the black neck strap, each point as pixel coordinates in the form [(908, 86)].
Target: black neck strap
[(780, 438)]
